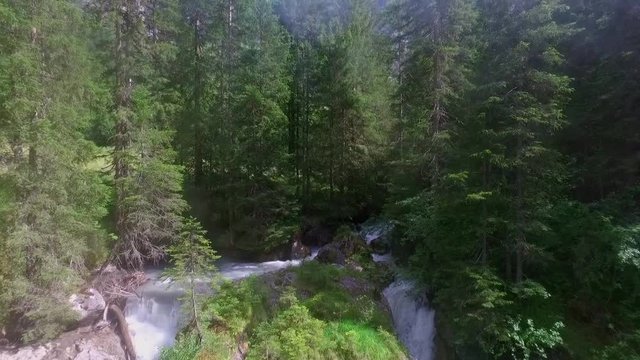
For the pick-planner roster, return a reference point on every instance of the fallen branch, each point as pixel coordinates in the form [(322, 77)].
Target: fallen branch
[(124, 331)]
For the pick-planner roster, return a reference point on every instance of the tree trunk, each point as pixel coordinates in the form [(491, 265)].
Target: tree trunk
[(198, 151), (123, 328), (520, 221), (124, 88)]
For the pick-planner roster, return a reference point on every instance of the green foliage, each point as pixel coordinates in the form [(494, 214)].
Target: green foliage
[(353, 341), (185, 348), (626, 348), (192, 257), (238, 307), (313, 276), (498, 135), (329, 300), (526, 341), (49, 232), (291, 334)]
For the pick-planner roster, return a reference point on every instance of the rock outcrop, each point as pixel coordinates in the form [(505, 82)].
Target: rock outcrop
[(331, 254), (89, 306), (85, 343)]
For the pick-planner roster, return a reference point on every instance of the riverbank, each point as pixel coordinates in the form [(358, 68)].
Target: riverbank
[(312, 311)]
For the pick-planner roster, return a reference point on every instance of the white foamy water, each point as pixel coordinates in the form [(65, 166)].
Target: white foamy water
[(386, 258), (413, 320), (375, 229), (154, 317)]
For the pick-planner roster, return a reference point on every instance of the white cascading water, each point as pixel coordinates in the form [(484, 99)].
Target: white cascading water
[(154, 317), (413, 320), (375, 229)]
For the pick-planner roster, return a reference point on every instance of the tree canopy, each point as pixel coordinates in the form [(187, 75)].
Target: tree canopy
[(499, 136)]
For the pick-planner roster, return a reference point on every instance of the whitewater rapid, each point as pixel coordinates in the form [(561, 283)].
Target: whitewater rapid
[(413, 319), (154, 317)]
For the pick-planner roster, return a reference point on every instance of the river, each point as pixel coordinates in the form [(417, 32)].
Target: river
[(154, 316)]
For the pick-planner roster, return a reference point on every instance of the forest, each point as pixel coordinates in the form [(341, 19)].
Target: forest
[(499, 138)]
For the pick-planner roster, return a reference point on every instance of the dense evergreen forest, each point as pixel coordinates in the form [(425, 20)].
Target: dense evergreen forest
[(500, 137)]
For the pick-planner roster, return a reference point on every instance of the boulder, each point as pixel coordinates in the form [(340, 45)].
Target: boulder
[(331, 254), (349, 242), (377, 233), (87, 305), (86, 343)]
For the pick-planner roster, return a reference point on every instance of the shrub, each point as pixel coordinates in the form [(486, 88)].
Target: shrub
[(238, 306), (314, 276), (186, 348), (293, 334)]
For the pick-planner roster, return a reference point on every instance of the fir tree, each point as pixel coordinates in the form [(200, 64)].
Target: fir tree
[(50, 232), (147, 218), (192, 257)]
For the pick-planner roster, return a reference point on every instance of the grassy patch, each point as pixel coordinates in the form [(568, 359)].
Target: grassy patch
[(102, 161), (313, 276), (358, 341), (318, 318)]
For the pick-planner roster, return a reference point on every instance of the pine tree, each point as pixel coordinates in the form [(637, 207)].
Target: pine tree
[(435, 50), (247, 165), (191, 258), (148, 184), (50, 231), (524, 107)]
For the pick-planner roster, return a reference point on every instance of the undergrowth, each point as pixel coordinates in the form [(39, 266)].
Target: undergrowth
[(314, 317)]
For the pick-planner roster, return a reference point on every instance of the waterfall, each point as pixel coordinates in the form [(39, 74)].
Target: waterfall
[(413, 320), (154, 317), (375, 229)]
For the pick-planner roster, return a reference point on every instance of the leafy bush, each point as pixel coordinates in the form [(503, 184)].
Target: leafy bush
[(238, 306), (628, 348), (526, 341), (186, 348), (292, 334)]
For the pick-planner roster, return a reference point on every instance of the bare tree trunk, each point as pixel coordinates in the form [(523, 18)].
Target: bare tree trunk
[(123, 328), (122, 136), (484, 214), (198, 151), (194, 304), (520, 236), (439, 112)]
